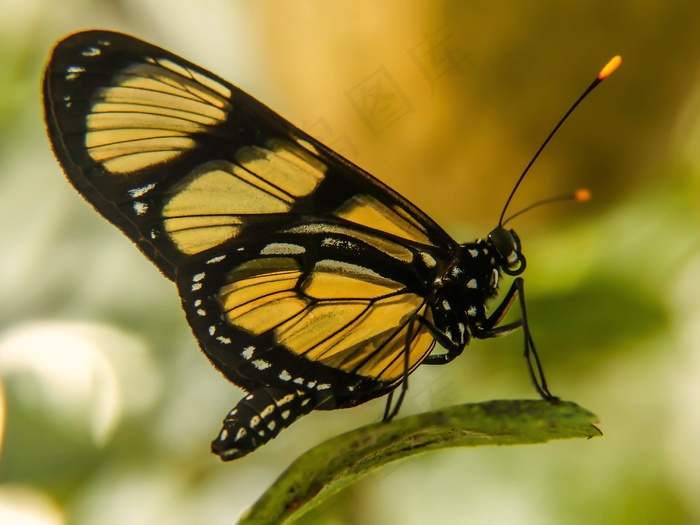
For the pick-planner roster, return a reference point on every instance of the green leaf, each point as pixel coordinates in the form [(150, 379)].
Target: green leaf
[(340, 461)]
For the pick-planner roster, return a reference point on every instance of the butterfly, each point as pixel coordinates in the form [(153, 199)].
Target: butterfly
[(306, 281)]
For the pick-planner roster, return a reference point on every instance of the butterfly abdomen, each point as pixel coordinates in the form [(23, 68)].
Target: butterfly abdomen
[(258, 418)]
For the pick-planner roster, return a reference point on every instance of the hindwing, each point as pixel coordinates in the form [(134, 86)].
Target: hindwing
[(326, 311)]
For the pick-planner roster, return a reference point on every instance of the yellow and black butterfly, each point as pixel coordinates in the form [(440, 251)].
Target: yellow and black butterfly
[(306, 281)]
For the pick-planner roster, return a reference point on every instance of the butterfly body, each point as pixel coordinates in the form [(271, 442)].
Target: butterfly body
[(306, 281)]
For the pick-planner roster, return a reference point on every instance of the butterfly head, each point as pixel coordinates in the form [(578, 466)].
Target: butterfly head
[(507, 245)]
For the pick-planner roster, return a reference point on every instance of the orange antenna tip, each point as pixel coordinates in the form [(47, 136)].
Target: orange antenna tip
[(582, 195), (610, 67)]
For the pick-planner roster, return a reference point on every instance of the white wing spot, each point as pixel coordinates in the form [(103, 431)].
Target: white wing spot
[(473, 252), (285, 376), (198, 277), (446, 305), (341, 267), (198, 302), (196, 287), (339, 243), (212, 330), (299, 380), (282, 248), (472, 284), (215, 260), (247, 352), (135, 193), (224, 340), (330, 241), (140, 208), (201, 312), (261, 364), (74, 72), (428, 259), (472, 311), (323, 386), (91, 51)]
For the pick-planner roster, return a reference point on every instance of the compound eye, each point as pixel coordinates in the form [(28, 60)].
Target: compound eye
[(504, 242), (507, 245)]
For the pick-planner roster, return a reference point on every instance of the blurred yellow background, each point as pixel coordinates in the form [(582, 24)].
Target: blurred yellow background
[(107, 407)]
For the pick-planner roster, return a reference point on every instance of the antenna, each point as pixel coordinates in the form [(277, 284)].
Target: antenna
[(609, 68), (581, 195)]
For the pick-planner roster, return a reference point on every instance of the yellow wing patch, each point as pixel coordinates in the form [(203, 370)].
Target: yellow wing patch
[(209, 206), (284, 165), (342, 315), (149, 114), (361, 337), (260, 294), (368, 211), (332, 279), (388, 364)]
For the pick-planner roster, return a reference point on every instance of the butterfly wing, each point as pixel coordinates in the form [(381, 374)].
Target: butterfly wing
[(286, 247)]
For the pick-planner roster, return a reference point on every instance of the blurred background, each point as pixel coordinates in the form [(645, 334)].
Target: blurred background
[(107, 406)]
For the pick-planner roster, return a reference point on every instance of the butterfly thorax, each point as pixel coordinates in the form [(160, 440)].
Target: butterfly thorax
[(463, 288)]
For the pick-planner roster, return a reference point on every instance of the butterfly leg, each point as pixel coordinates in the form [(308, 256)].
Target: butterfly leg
[(389, 412), (453, 350), (493, 328), (258, 418), (387, 407)]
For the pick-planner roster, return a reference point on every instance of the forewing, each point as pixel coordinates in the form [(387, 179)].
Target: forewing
[(183, 162)]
